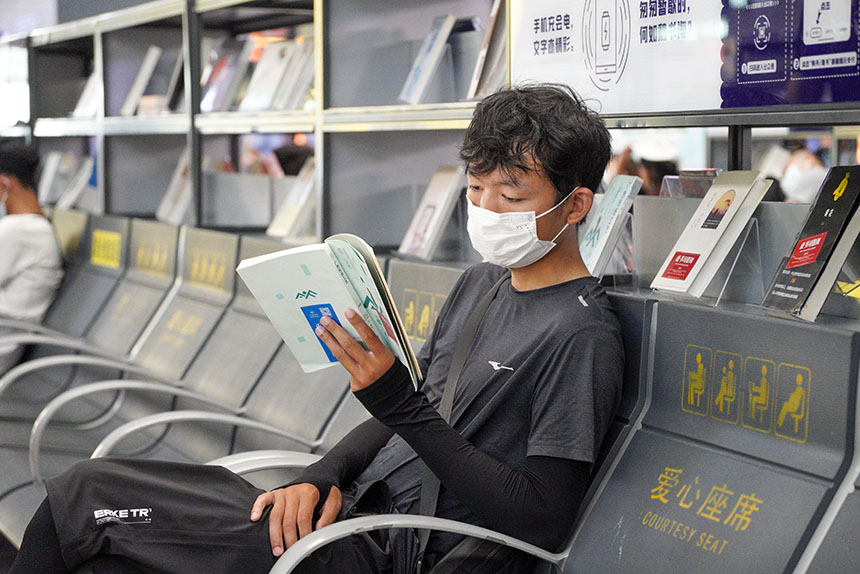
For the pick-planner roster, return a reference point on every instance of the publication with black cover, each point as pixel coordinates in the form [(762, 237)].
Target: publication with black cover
[(807, 274)]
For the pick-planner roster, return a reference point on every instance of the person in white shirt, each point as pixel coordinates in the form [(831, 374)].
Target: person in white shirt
[(30, 260)]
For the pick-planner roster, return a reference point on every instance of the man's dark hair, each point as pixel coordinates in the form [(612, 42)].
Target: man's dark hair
[(544, 123), (20, 161)]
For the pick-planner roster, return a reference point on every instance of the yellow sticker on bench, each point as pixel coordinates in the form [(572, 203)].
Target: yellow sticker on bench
[(107, 248)]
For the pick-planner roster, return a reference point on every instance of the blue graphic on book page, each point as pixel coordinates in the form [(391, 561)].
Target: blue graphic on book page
[(313, 313)]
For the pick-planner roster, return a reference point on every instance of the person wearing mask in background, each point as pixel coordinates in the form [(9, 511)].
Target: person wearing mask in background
[(802, 176), (30, 260)]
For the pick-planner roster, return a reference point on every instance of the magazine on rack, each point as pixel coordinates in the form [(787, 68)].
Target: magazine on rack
[(711, 233)]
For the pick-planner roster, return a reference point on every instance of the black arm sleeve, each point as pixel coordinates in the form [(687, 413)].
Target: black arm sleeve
[(347, 459), (536, 503)]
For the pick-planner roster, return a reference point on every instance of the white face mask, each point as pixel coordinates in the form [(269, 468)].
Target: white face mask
[(801, 185), (509, 239)]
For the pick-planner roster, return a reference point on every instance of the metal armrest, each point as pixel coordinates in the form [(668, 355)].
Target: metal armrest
[(105, 446), (316, 540), (56, 341), (23, 369), (44, 418), (27, 326), (255, 460)]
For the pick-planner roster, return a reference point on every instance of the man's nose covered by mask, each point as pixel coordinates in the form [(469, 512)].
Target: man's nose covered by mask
[(509, 239)]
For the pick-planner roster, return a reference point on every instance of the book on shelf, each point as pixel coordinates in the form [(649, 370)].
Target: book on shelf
[(486, 41), (141, 80), (604, 226), (465, 41), (297, 287), (490, 74), (267, 76), (711, 233), (58, 169), (807, 274), (298, 78), (159, 92), (84, 177), (88, 102), (427, 61), (438, 202), (175, 205), (298, 205), (227, 74)]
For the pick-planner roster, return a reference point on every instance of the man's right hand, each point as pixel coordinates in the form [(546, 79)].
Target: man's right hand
[(292, 513)]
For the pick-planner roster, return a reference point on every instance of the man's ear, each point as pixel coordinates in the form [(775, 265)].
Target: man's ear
[(579, 204)]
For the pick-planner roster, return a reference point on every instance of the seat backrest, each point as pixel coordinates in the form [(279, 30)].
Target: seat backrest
[(70, 226), (746, 433), (86, 286), (419, 291), (131, 305), (229, 365), (207, 265)]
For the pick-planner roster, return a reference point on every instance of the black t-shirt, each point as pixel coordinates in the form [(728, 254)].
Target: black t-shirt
[(542, 379)]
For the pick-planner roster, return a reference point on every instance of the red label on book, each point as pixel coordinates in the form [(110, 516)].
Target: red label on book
[(806, 251), (681, 265)]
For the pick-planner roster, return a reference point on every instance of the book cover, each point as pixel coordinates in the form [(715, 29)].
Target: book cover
[(288, 219), (83, 178), (297, 77), (267, 76), (297, 287), (88, 102), (704, 230), (433, 212), (494, 71), (485, 47), (603, 228), (144, 73), (427, 60), (800, 269), (174, 206)]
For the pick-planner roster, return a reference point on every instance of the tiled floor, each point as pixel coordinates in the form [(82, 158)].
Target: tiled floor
[(7, 555)]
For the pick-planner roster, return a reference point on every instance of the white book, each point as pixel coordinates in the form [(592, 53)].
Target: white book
[(88, 102), (240, 72), (730, 236), (144, 73), (605, 224), (267, 76), (485, 46), (299, 199), (704, 231), (298, 65), (427, 62), (434, 211), (58, 169), (297, 287), (78, 185), (493, 73), (304, 81), (174, 206)]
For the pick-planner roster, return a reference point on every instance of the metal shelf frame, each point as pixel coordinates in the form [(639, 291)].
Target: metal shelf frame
[(193, 16)]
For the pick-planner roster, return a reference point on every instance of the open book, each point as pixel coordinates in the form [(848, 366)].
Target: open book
[(297, 287)]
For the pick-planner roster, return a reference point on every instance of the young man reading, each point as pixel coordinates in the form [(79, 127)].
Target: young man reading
[(532, 404)]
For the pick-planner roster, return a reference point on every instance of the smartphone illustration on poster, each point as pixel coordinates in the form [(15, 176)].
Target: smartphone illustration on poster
[(604, 45), (826, 21)]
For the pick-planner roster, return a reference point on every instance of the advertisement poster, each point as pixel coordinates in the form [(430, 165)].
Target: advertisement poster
[(664, 56)]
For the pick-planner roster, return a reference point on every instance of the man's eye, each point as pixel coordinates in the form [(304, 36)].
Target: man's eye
[(510, 199)]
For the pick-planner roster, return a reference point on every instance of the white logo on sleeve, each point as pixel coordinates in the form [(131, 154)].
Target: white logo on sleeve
[(498, 366), (124, 515)]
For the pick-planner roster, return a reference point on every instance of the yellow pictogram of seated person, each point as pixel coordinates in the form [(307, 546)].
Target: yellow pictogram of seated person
[(696, 382), (727, 393), (759, 395), (795, 405)]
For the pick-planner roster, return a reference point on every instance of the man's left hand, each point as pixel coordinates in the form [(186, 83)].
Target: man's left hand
[(364, 366)]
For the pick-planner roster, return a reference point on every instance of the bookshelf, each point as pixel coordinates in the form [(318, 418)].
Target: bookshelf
[(374, 156)]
